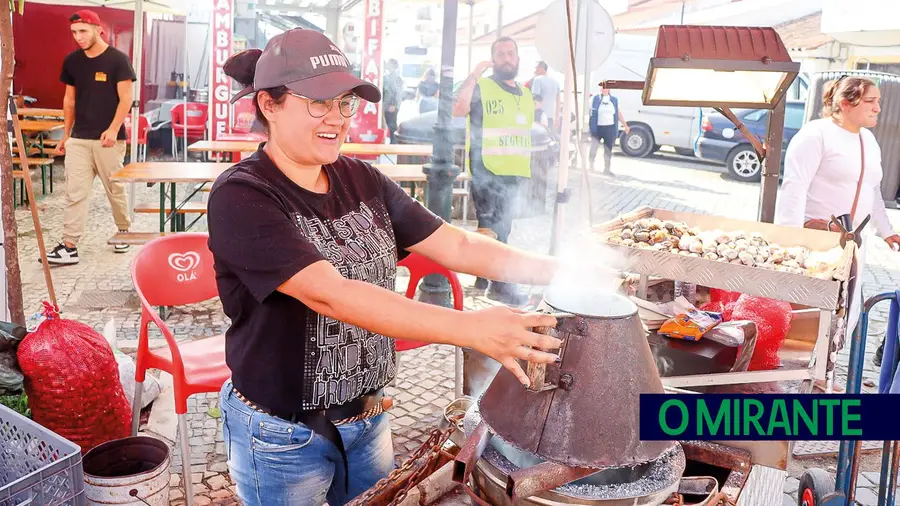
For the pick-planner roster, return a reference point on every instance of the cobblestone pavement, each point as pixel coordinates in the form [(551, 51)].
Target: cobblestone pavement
[(99, 289)]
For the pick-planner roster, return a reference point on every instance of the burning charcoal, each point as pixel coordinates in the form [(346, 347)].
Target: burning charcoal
[(746, 258), (730, 254), (710, 256), (642, 236), (627, 234)]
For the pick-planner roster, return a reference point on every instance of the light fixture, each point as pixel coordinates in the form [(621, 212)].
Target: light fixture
[(715, 66)]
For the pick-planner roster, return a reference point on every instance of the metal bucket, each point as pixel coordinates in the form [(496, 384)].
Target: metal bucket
[(130, 471)]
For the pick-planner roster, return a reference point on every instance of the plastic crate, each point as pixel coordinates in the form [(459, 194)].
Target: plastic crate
[(37, 466)]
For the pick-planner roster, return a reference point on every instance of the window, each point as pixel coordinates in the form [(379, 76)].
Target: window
[(757, 115), (793, 116)]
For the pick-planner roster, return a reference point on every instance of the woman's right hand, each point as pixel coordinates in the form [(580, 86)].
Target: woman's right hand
[(505, 335)]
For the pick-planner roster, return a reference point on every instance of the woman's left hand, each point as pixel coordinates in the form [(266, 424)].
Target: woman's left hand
[(893, 241)]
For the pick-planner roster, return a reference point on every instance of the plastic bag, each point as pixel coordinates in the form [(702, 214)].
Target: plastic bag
[(72, 382), (11, 378), (151, 388), (773, 322)]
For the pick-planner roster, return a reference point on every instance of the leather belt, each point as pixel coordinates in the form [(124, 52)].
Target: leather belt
[(324, 422), (366, 406)]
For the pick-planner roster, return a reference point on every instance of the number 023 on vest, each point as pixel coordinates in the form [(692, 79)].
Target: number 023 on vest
[(506, 129)]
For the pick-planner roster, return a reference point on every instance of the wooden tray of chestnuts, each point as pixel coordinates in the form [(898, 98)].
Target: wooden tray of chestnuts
[(802, 266)]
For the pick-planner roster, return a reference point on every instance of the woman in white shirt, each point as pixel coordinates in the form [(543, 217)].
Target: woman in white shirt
[(823, 167), (604, 123)]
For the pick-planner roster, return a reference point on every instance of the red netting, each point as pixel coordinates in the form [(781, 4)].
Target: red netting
[(72, 382), (723, 296), (773, 321)]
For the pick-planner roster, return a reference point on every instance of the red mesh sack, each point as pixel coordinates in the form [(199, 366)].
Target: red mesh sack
[(773, 322), (723, 296), (713, 307), (72, 382)]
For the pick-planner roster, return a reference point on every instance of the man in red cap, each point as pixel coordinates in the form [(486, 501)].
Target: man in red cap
[(98, 98)]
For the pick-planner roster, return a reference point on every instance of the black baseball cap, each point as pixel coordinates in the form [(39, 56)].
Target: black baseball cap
[(307, 63)]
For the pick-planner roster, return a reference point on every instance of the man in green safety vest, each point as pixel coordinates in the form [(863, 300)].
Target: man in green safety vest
[(500, 114)]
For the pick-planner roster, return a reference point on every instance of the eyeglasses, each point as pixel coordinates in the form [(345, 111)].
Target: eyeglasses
[(319, 108)]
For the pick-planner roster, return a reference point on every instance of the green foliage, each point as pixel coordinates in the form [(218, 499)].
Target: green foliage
[(17, 403)]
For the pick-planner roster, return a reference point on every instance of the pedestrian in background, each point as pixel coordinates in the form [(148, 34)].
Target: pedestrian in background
[(604, 123), (832, 167), (427, 92), (393, 96), (98, 98)]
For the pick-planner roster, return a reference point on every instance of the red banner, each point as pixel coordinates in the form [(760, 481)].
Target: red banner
[(368, 120), (220, 84)]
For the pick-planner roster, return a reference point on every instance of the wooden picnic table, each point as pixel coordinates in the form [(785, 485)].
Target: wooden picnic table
[(348, 148), (31, 112), (172, 173), (39, 125)]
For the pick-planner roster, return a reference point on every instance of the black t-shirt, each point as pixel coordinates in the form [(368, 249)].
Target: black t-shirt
[(263, 229), (96, 95), (476, 117)]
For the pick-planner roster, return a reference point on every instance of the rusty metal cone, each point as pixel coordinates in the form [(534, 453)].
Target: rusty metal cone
[(592, 417)]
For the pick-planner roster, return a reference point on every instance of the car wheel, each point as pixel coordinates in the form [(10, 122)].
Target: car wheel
[(744, 164), (638, 142)]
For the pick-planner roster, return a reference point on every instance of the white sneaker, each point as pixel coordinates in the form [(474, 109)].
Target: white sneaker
[(63, 255)]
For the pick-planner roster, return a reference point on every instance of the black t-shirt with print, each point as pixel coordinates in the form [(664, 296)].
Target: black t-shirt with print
[(96, 94), (263, 229)]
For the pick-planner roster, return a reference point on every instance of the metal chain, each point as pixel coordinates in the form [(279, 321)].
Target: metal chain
[(431, 446)]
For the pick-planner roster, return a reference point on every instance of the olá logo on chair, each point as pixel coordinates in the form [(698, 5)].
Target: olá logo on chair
[(185, 263)]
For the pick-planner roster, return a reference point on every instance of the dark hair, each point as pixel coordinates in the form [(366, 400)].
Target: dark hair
[(502, 40), (843, 88), (543, 65), (242, 68)]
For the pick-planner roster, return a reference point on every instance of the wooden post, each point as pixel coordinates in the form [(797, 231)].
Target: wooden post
[(25, 174)]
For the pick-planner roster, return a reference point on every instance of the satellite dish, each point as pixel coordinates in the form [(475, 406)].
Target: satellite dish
[(594, 30)]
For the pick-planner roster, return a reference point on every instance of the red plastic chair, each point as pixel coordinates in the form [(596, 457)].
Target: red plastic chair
[(143, 134), (173, 271), (419, 267), (190, 126)]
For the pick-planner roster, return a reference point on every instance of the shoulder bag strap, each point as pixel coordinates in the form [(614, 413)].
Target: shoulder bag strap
[(862, 171)]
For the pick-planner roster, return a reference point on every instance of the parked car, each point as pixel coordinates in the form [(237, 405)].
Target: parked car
[(721, 141)]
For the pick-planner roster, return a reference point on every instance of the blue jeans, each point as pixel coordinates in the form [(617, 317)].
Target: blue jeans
[(274, 462)]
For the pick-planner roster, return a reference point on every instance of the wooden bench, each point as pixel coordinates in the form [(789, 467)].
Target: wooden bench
[(36, 162), (187, 208), (134, 238)]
